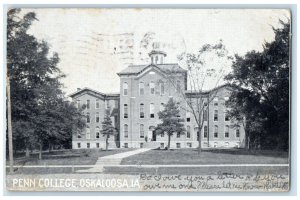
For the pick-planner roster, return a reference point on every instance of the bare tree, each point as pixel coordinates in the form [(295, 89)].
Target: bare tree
[(205, 70)]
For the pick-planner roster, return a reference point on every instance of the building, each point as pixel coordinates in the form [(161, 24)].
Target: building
[(144, 90)]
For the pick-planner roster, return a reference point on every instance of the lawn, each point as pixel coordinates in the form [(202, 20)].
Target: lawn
[(68, 157), (217, 156)]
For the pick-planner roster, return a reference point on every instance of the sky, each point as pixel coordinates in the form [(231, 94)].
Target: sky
[(95, 44)]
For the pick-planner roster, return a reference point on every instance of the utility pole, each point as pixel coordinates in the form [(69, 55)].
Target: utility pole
[(9, 127)]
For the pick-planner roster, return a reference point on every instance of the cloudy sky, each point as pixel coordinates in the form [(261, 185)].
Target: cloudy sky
[(95, 44)]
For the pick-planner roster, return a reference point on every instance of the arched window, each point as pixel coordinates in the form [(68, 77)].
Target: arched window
[(188, 116), (152, 87), (97, 117), (88, 119), (188, 132), (125, 130), (237, 133), (226, 115), (141, 88), (205, 114), (151, 110), (88, 104), (215, 131), (125, 111), (215, 115), (142, 132), (88, 133), (226, 131), (205, 132), (142, 112), (97, 132), (125, 89), (97, 104)]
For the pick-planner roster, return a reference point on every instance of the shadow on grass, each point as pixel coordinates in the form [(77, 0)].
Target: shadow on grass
[(237, 151)]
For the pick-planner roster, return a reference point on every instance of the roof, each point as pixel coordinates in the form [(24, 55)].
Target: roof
[(136, 69), (94, 92), (203, 92)]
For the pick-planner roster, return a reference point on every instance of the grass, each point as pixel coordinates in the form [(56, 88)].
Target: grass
[(191, 156), (68, 157)]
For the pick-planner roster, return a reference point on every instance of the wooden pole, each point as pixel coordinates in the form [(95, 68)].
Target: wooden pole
[(9, 127)]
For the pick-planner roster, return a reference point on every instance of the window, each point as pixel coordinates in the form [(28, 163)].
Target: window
[(237, 133), (142, 114), (178, 135), (205, 114), (126, 145), (189, 145), (151, 110), (97, 132), (78, 135), (216, 101), (162, 88), (125, 89), (142, 133), (152, 87), (178, 145), (162, 145), (205, 132), (97, 145), (87, 104), (125, 111), (188, 132), (156, 59), (88, 145), (178, 86), (215, 115), (97, 104), (142, 87), (141, 145), (188, 116), (97, 117), (226, 115), (78, 145), (88, 119), (88, 133), (78, 103), (125, 130), (226, 131), (216, 131)]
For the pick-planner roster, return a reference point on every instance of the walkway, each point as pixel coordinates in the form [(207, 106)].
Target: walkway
[(113, 160)]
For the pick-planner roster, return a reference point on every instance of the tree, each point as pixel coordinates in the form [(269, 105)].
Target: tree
[(39, 109), (107, 128), (261, 82), (171, 121), (206, 70)]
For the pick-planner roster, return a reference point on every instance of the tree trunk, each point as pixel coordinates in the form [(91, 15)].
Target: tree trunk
[(199, 141), (169, 141), (27, 152), (41, 149), (106, 143)]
